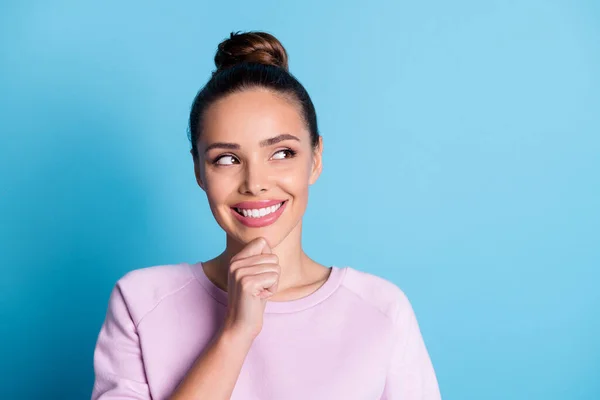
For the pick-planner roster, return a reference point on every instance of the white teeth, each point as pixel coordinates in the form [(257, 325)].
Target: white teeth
[(258, 212)]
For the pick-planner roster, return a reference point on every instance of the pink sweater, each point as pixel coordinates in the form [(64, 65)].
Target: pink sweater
[(356, 337)]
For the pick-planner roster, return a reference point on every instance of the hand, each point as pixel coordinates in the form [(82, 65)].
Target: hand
[(253, 277)]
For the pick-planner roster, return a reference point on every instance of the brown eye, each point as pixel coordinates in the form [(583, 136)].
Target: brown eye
[(225, 160), (283, 154)]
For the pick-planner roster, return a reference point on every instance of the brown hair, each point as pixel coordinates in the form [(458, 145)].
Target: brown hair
[(257, 47), (249, 60)]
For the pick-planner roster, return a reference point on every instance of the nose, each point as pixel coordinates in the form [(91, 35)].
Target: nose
[(256, 179)]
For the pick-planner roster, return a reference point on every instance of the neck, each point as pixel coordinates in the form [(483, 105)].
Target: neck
[(295, 264)]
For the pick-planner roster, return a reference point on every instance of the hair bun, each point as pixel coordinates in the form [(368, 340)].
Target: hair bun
[(256, 47)]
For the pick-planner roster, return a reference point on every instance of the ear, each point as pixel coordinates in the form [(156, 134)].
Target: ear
[(197, 171), (317, 165)]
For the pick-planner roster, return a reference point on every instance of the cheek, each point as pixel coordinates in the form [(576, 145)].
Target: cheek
[(218, 188), (295, 181)]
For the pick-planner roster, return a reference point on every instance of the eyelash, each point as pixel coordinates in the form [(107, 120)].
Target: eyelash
[(292, 154)]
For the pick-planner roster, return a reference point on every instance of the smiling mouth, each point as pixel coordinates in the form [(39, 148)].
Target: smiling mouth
[(258, 212)]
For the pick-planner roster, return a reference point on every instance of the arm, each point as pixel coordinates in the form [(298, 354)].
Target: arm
[(252, 272), (118, 364), (119, 368), (216, 371), (410, 373)]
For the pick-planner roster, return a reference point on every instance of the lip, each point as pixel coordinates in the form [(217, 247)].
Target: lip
[(260, 221), (257, 204)]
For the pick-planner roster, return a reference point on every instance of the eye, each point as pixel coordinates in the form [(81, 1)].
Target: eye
[(285, 153), (226, 159)]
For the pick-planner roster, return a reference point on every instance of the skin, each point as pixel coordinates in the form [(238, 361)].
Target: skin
[(258, 264), (258, 172)]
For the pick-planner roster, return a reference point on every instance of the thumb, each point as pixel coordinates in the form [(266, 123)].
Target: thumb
[(253, 248), (266, 249)]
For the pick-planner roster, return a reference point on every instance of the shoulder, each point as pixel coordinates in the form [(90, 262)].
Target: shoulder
[(379, 292), (144, 288)]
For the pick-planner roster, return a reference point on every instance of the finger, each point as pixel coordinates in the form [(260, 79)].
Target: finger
[(273, 289), (254, 260), (266, 249), (241, 272), (253, 248), (269, 291), (257, 284)]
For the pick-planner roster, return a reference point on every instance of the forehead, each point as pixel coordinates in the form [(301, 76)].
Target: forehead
[(252, 115)]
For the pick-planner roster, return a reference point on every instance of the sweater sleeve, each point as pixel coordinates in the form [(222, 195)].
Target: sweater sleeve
[(118, 365), (410, 374)]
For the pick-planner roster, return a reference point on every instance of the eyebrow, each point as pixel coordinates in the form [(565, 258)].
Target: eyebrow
[(264, 143)]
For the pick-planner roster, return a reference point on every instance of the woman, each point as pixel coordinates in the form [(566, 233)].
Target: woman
[(261, 320)]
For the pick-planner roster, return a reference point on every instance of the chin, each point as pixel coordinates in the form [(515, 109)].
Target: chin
[(273, 237), (274, 234)]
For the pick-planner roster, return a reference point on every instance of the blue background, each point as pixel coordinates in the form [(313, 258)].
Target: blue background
[(462, 162)]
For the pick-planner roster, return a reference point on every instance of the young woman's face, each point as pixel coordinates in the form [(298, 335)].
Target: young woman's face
[(256, 163)]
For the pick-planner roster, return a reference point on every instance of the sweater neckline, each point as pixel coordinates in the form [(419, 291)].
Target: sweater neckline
[(336, 276)]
